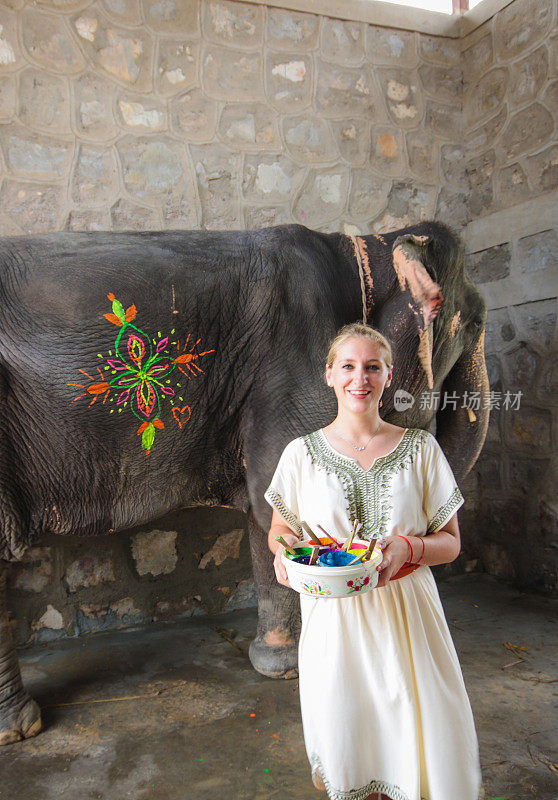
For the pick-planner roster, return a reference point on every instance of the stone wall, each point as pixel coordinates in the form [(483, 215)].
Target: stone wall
[(141, 114), (502, 180)]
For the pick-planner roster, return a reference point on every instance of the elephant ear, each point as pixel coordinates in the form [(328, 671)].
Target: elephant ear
[(425, 294)]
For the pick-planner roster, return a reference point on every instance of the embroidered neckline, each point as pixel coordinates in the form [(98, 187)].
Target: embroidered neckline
[(368, 492), (350, 458)]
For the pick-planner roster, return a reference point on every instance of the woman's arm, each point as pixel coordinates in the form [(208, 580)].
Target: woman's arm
[(280, 528), (441, 547)]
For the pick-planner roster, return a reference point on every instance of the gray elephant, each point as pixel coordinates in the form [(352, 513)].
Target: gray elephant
[(145, 372)]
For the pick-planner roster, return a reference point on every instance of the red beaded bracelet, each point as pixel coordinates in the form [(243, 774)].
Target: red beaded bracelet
[(410, 547)]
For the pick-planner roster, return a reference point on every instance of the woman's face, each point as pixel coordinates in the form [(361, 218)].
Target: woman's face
[(359, 375)]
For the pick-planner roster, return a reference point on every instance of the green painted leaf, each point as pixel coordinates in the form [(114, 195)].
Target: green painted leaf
[(148, 437), (118, 310)]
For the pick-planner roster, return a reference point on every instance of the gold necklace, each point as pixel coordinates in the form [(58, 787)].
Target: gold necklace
[(360, 448)]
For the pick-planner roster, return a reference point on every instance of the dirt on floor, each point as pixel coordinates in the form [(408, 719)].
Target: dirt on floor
[(176, 712)]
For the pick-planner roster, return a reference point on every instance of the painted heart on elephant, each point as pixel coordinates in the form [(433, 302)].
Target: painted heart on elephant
[(80, 381)]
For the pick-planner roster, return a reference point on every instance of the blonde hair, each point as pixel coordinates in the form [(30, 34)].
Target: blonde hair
[(357, 330)]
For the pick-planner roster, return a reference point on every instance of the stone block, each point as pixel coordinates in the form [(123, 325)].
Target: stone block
[(127, 12), (237, 24), (88, 571), (402, 95), (288, 30), (553, 55), (538, 251), (391, 46), (308, 138), (48, 42), (476, 59), (176, 66), (125, 55), (543, 169), (32, 579), (61, 5), (218, 179), (93, 103), (528, 76), (244, 596), (11, 57), (167, 609), (323, 196), (35, 156), (269, 177), (453, 165), (95, 219), (181, 208), (289, 80), (488, 472), (35, 208), (231, 74), (443, 120), (95, 178), (150, 166), (7, 97), (528, 429), (520, 25), (492, 264), (43, 101), (93, 617), (440, 49), (387, 150), (142, 114), (499, 329), (550, 381), (227, 545), (422, 152), (154, 552), (526, 474), (194, 116), (266, 216), (538, 321), (480, 171), (443, 82), (496, 560), (126, 216), (521, 366), (494, 431), (494, 372), (512, 185), (483, 136), (407, 203), (368, 195), (342, 41), (352, 138), (171, 16), (486, 96), (451, 207), (346, 92)]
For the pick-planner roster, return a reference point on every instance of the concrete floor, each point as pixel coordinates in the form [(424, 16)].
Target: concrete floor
[(176, 712)]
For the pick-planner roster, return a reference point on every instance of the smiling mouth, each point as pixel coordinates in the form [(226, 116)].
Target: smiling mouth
[(359, 392)]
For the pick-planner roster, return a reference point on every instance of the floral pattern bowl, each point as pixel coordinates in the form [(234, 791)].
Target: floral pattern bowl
[(318, 581)]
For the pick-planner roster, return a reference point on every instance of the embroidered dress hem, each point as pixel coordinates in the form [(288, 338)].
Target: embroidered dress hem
[(393, 792)]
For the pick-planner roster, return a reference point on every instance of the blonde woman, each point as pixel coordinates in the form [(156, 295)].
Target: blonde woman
[(384, 707)]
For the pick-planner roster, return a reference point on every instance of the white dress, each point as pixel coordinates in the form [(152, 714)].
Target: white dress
[(384, 706)]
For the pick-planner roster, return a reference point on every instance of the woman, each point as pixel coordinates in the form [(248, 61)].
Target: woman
[(384, 707)]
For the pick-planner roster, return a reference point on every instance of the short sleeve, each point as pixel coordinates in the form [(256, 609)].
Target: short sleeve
[(282, 492), (442, 497)]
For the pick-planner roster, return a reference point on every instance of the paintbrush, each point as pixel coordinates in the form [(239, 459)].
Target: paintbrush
[(287, 547), (312, 536), (329, 536), (314, 556), (347, 546), (366, 555)]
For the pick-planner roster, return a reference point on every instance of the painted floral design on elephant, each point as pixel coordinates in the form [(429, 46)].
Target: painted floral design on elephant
[(141, 367)]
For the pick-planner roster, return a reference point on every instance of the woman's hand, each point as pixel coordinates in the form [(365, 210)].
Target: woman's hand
[(396, 552), (278, 566)]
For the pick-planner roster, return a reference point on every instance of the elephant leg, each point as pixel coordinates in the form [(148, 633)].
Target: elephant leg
[(20, 716), (274, 651)]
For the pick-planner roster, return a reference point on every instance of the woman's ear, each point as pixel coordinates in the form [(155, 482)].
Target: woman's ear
[(327, 375)]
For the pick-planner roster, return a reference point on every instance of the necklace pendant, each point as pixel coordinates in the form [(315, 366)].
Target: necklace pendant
[(360, 449)]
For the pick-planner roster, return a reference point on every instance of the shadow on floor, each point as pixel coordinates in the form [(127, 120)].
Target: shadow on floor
[(176, 712)]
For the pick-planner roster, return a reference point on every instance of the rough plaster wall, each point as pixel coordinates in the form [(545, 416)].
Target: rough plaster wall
[(124, 114), (507, 165)]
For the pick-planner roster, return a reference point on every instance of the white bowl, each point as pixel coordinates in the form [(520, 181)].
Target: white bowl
[(318, 581)]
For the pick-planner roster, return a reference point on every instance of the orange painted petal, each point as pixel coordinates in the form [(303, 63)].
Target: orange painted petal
[(184, 359), (131, 313), (110, 296), (97, 388), (158, 423), (142, 427), (114, 319)]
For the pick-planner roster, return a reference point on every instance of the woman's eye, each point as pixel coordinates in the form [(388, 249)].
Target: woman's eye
[(347, 366), (374, 367)]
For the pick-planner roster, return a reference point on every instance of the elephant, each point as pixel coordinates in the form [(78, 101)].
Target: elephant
[(144, 372)]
